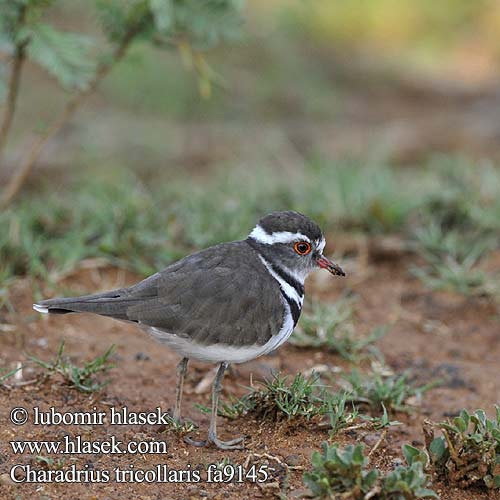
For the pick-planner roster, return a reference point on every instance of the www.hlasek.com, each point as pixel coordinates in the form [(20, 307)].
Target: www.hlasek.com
[(55, 470)]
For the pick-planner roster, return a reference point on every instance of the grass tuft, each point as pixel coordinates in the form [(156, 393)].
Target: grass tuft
[(383, 393), (279, 399), (452, 261), (81, 378)]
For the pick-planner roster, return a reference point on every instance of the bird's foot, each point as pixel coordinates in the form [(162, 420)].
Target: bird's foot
[(195, 442), (233, 444)]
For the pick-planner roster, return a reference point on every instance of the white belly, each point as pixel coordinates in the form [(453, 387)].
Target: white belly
[(217, 353)]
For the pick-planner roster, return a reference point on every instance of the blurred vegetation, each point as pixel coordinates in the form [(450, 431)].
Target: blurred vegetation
[(406, 23), (331, 327), (151, 170), (189, 26), (375, 118), (143, 225)]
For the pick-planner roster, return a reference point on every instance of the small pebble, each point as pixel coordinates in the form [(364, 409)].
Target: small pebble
[(371, 439), (5, 479), (269, 487), (293, 460)]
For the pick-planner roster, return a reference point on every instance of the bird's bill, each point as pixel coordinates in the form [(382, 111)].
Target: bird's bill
[(327, 264)]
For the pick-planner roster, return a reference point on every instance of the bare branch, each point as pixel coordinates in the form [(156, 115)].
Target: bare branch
[(18, 59), (13, 88), (29, 160)]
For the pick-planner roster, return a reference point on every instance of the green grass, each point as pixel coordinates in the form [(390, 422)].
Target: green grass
[(280, 399), (300, 399), (144, 225), (339, 416), (452, 261), (81, 378), (457, 228), (382, 393), (5, 374), (331, 327)]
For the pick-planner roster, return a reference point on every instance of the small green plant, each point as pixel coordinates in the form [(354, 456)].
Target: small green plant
[(383, 392), (338, 416), (457, 226), (50, 463), (182, 427), (342, 473), (456, 276), (79, 66), (406, 482), (339, 471), (380, 422), (468, 452), (330, 326), (80, 378)]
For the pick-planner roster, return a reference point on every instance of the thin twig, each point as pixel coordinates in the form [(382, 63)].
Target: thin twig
[(18, 59), (28, 162), (378, 443), (372, 493)]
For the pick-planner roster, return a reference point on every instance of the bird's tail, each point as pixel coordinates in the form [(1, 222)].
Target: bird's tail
[(113, 303)]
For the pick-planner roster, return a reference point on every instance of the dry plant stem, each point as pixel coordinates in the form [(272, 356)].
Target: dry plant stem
[(28, 162), (378, 443), (13, 88)]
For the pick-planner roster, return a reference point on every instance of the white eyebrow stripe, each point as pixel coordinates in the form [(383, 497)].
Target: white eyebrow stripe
[(258, 234), (321, 244)]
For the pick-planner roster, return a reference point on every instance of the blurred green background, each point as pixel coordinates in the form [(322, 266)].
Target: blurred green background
[(373, 117)]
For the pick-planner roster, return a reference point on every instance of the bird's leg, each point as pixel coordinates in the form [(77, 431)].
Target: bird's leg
[(212, 431), (181, 373)]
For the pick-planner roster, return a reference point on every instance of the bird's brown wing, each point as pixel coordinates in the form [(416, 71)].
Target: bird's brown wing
[(222, 295)]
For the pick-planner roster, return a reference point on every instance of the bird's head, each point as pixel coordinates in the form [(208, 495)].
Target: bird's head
[(292, 241)]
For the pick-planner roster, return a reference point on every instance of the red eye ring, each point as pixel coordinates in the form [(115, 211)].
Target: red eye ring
[(302, 247)]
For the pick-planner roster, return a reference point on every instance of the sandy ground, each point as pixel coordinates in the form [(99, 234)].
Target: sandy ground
[(433, 334)]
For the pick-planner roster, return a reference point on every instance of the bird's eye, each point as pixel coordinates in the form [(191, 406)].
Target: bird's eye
[(302, 247)]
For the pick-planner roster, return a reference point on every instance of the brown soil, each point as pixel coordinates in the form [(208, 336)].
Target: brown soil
[(433, 334)]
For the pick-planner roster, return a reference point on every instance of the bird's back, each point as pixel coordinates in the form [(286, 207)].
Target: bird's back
[(220, 295)]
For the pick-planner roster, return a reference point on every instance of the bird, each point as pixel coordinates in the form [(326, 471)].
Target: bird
[(229, 303)]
